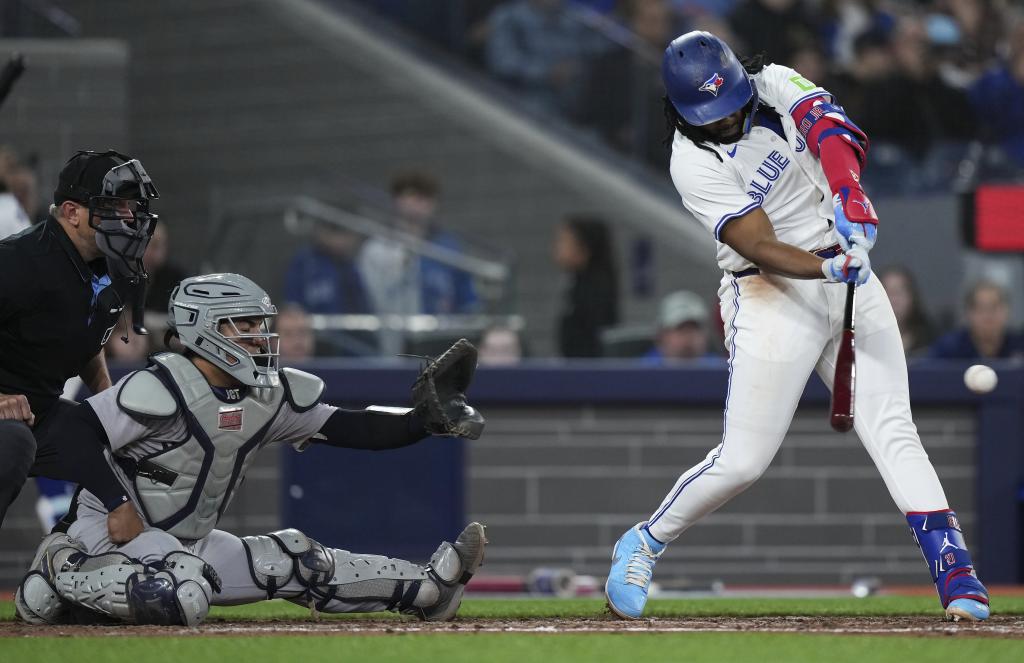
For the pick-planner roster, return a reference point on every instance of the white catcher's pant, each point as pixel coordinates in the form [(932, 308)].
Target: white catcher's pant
[(777, 331)]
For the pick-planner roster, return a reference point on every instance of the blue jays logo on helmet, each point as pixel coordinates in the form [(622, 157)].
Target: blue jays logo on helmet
[(697, 63), (712, 84)]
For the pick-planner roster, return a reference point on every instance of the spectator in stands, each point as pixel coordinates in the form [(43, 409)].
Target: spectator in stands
[(500, 346), (871, 63), (683, 331), (811, 62), (969, 33), (295, 331), (325, 277), (777, 27), (998, 99), (624, 88), (539, 46), (905, 298), (13, 218), (475, 19), (164, 275), (910, 105), (987, 334), (398, 280), (583, 248), (843, 21)]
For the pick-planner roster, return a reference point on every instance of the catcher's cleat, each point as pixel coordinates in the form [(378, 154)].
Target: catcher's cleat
[(633, 560), (451, 567)]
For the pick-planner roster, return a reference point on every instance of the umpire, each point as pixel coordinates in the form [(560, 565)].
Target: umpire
[(63, 285)]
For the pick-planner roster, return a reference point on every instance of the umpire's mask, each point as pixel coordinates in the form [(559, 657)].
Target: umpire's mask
[(206, 313), (117, 190)]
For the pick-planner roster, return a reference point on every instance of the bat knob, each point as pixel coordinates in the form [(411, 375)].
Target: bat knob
[(841, 423)]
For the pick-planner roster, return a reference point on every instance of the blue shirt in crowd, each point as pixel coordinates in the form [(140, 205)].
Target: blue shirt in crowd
[(998, 101), (958, 345), (321, 283)]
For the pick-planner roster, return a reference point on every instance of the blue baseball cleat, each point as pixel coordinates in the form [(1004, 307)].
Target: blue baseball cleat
[(969, 609), (633, 560), (965, 597)]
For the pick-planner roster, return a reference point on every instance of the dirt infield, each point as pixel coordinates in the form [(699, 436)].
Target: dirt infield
[(996, 627)]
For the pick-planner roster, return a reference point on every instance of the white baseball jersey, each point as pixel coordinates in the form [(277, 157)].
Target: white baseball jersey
[(762, 169), (779, 329)]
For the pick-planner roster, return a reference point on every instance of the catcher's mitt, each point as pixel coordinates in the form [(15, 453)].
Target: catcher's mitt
[(439, 393)]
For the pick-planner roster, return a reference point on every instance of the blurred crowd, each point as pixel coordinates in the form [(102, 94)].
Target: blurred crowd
[(338, 271), (926, 79)]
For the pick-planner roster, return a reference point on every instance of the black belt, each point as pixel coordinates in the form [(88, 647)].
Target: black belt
[(830, 252)]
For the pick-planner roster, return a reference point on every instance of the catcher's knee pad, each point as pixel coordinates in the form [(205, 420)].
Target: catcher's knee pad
[(175, 590), (942, 543), (326, 574), (37, 600), (275, 558)]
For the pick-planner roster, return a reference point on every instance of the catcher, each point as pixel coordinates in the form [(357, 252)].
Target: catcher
[(181, 434)]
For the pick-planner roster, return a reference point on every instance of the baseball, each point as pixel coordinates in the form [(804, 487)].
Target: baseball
[(980, 379)]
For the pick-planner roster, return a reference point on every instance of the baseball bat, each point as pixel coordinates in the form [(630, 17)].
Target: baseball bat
[(845, 382), (13, 70)]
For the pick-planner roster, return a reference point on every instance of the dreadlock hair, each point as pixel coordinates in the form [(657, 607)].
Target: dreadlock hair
[(699, 135)]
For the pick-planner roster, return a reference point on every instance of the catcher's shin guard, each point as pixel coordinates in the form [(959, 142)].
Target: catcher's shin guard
[(942, 543), (288, 564)]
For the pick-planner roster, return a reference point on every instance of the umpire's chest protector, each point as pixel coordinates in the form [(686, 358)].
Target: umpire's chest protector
[(185, 489)]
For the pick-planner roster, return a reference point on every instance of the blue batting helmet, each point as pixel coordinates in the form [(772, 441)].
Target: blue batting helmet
[(704, 79)]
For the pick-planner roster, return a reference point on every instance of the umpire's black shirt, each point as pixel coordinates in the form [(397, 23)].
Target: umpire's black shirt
[(56, 312)]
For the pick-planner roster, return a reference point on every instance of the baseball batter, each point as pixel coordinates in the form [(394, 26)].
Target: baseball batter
[(181, 434), (770, 164)]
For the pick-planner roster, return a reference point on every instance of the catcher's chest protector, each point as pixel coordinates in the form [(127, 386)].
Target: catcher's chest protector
[(184, 490)]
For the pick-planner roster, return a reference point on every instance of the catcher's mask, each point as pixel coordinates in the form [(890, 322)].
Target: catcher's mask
[(217, 315), (117, 191)]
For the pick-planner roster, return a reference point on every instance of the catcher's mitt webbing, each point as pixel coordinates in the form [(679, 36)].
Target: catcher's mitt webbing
[(439, 392)]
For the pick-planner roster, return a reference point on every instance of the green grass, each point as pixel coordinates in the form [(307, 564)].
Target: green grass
[(516, 648), (526, 648)]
